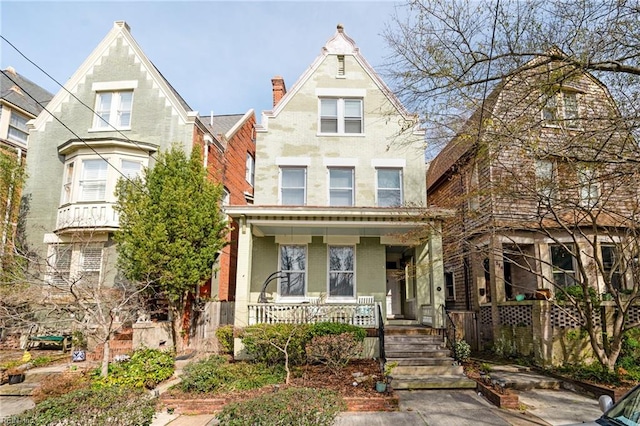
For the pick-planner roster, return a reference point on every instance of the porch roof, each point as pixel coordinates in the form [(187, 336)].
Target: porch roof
[(322, 220)]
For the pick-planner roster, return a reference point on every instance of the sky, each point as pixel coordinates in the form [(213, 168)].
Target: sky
[(219, 55)]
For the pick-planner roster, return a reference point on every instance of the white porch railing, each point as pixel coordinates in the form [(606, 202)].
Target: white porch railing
[(84, 215), (361, 315)]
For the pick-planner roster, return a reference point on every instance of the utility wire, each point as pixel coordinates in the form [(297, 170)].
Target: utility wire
[(85, 105), (69, 129)]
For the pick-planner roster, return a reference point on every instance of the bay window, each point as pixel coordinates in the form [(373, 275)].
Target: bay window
[(93, 182)]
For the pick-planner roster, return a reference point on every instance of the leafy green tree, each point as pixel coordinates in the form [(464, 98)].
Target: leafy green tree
[(171, 227)]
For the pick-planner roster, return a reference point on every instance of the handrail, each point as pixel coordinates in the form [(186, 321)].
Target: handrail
[(263, 297), (452, 345), (383, 356)]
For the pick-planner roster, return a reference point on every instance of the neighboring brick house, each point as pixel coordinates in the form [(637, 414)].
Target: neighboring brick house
[(21, 100), (111, 119), (541, 196), (237, 133), (339, 195)]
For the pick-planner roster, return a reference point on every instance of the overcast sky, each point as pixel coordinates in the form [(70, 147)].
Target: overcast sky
[(220, 56)]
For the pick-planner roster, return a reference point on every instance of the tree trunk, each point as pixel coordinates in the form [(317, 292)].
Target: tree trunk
[(104, 371)]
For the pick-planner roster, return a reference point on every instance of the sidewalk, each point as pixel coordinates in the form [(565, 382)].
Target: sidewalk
[(446, 407)]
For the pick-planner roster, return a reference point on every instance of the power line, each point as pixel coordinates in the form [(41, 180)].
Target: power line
[(86, 106), (44, 108)]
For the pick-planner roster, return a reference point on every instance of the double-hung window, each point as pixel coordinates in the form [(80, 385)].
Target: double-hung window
[(250, 169), (341, 186), (341, 116), (91, 263), (293, 268), (61, 266), (130, 169), (545, 179), (18, 128), (562, 107), (342, 271), (389, 187), (588, 186), (93, 184), (293, 185), (113, 110), (611, 265), (562, 263)]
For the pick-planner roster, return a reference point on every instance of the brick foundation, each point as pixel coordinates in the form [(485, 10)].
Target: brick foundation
[(213, 405)]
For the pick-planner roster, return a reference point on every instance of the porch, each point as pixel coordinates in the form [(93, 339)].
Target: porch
[(365, 315)]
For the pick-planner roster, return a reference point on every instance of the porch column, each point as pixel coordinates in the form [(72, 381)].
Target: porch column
[(496, 270), (243, 281), (438, 287)]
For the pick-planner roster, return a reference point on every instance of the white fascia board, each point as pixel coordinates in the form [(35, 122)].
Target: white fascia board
[(389, 162), (340, 162), (239, 124)]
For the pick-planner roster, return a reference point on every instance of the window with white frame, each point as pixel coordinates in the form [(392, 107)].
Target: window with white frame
[(67, 189), (561, 107), (113, 110), (563, 264), (546, 178), (250, 169), (93, 183), (341, 116), (18, 128), (293, 268), (341, 186), (130, 168), (90, 262), (589, 187), (389, 187), (342, 271), (611, 265), (293, 186), (61, 266)]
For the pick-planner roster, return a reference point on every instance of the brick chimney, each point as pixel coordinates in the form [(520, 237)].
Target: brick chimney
[(279, 89)]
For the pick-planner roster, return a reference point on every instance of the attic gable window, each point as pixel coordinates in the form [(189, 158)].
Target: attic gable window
[(113, 110), (561, 108), (340, 65), (341, 116)]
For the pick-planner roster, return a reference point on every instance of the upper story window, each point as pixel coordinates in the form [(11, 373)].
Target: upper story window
[(293, 186), (293, 265), (341, 65), (113, 110), (130, 169), (589, 187), (342, 271), (93, 182), (561, 108), (562, 263), (18, 128), (389, 187), (546, 178), (250, 170), (341, 186), (341, 116)]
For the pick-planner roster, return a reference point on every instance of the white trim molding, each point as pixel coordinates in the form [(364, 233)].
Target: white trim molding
[(103, 86), (389, 162), (293, 161), (339, 162)]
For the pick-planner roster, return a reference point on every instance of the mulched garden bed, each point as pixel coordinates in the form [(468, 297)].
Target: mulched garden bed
[(359, 397)]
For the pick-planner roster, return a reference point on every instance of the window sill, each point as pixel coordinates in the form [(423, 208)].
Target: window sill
[(108, 129), (356, 135)]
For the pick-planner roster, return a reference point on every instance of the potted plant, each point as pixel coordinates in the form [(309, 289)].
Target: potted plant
[(383, 385)]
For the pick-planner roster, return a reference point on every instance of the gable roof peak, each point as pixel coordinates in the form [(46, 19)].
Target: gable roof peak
[(122, 24), (340, 43)]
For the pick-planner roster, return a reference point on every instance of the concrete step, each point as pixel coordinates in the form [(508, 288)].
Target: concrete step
[(433, 382), (410, 338), (401, 347), (450, 369), (418, 353), (444, 361), (409, 330)]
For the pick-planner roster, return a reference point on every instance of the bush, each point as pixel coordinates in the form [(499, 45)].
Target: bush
[(593, 372), (62, 385), (325, 328), (266, 342), (335, 351), (145, 369), (225, 338), (462, 350), (293, 406), (215, 374), (109, 406)]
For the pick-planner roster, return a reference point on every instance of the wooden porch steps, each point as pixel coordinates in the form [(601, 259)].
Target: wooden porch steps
[(423, 361)]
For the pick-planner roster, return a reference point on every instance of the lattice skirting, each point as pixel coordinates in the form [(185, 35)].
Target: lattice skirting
[(514, 315), (568, 317)]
